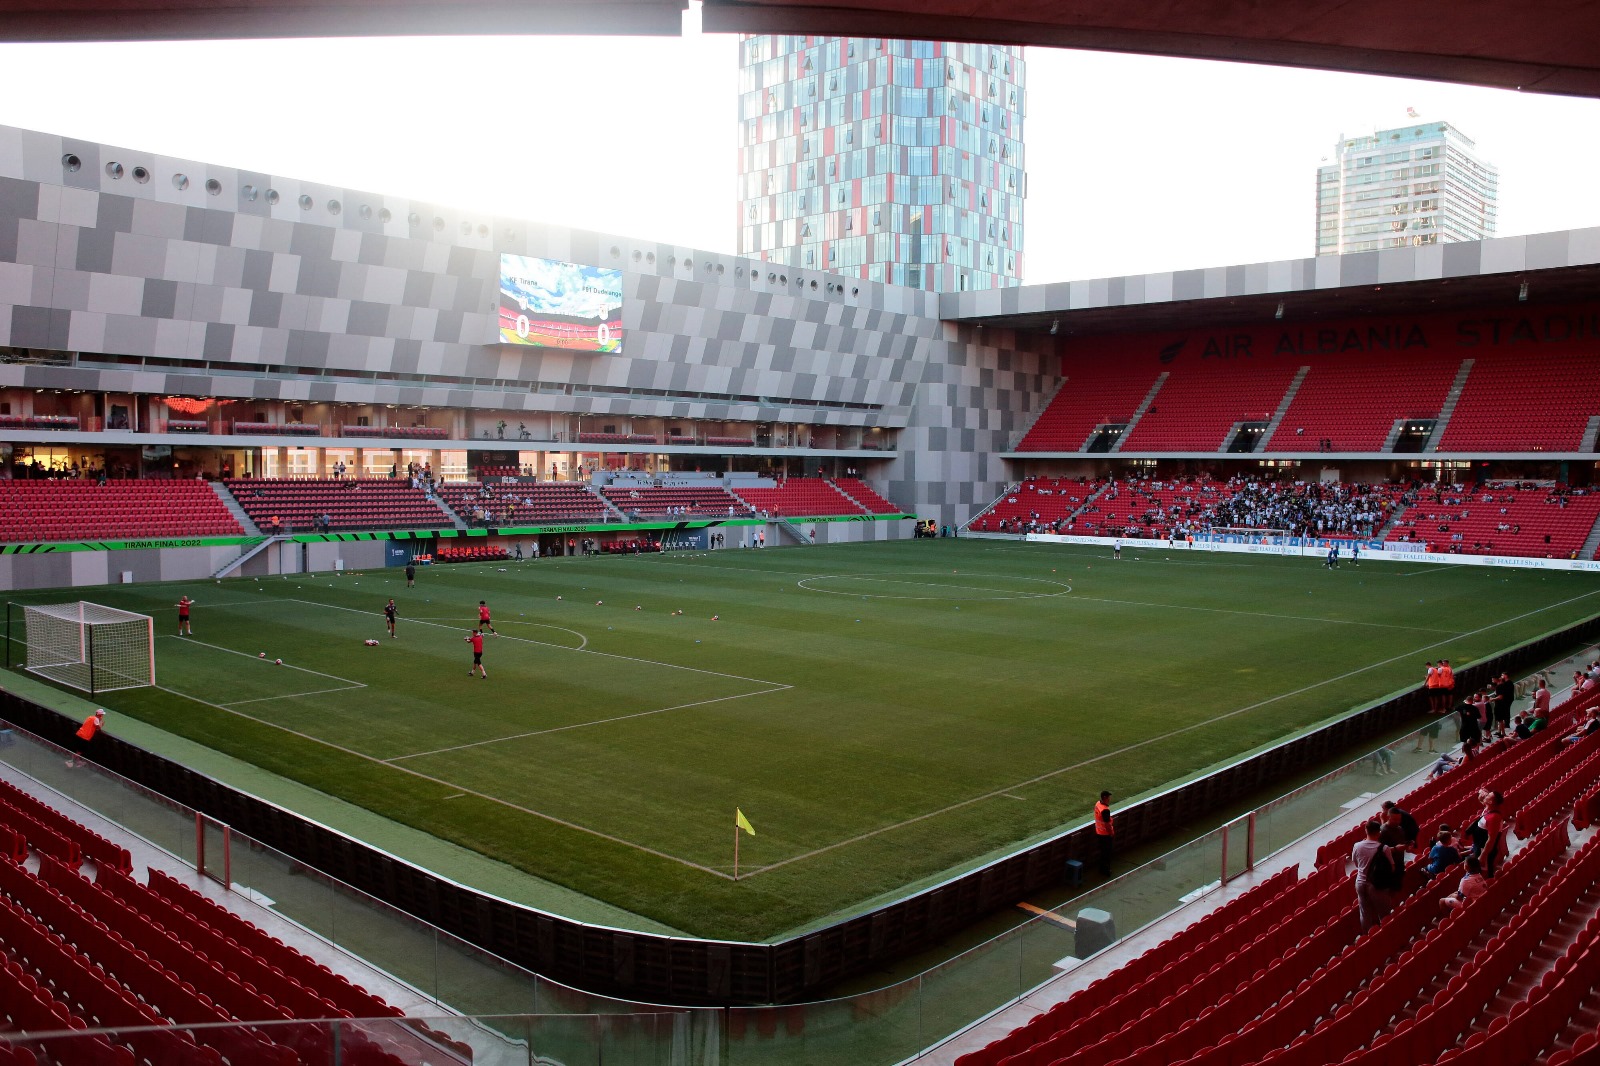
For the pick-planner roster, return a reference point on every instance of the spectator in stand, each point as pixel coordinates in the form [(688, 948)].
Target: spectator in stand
[(1487, 831), (1520, 727), (1590, 726), (1474, 883), (1442, 766), (1374, 900), (1471, 729), (1541, 700), (1505, 694), (1443, 854), (1399, 827)]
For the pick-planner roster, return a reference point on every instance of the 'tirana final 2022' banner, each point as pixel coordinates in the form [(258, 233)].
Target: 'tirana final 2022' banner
[(546, 303)]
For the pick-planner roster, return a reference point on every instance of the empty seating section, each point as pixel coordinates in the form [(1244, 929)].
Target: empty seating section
[(89, 843), (675, 500), (728, 442), (1491, 520), (1283, 973), (526, 503), (1196, 408), (1525, 402), (349, 503), (119, 509), (114, 954), (798, 497), (865, 495), (1354, 403), (1096, 393), (1517, 400)]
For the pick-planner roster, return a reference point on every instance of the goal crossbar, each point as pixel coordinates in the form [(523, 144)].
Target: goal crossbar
[(89, 646)]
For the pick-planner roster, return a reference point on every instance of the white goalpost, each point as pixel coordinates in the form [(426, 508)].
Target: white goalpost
[(90, 647)]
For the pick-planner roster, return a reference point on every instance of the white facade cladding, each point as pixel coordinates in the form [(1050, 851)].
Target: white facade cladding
[(130, 273)]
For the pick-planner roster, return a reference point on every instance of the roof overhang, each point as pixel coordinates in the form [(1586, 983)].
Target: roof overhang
[(1542, 46)]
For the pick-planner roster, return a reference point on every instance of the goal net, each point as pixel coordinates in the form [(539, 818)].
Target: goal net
[(90, 647), (1254, 535)]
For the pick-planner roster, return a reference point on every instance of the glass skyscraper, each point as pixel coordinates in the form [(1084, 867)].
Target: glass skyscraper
[(895, 161), (1417, 184)]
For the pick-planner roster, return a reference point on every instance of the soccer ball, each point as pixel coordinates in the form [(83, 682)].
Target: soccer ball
[(714, 618), (262, 655), (598, 602), (558, 597), (278, 661), (636, 607), (372, 643)]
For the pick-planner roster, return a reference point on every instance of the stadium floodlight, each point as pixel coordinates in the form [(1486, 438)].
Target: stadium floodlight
[(86, 646)]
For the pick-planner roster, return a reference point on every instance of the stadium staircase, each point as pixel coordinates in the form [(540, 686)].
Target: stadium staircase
[(793, 532), (1591, 543), (1138, 412), (1451, 399), (1044, 407), (1265, 443), (248, 554), (1591, 434), (234, 509), (445, 509)]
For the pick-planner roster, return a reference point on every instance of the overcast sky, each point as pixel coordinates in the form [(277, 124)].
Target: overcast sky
[(1134, 164)]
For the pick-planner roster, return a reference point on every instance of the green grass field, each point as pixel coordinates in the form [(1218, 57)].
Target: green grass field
[(881, 713)]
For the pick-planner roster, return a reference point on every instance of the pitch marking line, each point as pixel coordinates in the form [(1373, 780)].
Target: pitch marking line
[(294, 695), (586, 725), (1006, 594), (583, 640), (347, 682), (1156, 739), (563, 647), (464, 791), (1263, 614)]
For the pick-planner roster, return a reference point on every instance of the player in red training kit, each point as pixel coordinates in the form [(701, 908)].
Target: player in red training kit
[(483, 619), (184, 625), (475, 638)]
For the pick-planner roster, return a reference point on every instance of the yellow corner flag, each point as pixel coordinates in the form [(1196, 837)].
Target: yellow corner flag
[(742, 822)]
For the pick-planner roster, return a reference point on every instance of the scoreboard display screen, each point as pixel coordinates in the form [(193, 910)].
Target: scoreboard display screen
[(545, 303)]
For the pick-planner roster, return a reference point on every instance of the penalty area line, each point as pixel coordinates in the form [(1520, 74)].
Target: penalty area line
[(348, 681), (586, 725), (463, 789)]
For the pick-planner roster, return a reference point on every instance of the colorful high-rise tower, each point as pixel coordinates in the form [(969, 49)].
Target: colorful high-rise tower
[(889, 160)]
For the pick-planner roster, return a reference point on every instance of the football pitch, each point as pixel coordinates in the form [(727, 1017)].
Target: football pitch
[(882, 714)]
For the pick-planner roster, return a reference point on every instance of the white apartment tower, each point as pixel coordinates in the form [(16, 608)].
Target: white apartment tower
[(1413, 185)]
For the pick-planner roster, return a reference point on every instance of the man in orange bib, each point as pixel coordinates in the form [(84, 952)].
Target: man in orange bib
[(85, 735)]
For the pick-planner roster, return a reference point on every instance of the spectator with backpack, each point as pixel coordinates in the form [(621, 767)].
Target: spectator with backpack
[(1379, 869)]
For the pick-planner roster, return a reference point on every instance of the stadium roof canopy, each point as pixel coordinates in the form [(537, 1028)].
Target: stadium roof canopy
[(150, 20), (1540, 269), (1536, 45)]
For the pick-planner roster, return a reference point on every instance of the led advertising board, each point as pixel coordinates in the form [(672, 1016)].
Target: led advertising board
[(545, 303)]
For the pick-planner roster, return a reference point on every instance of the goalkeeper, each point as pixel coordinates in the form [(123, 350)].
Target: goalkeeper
[(185, 628)]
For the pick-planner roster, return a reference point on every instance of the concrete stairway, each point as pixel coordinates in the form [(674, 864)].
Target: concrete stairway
[(1265, 443), (1590, 432), (1138, 412), (1449, 407), (1591, 543), (234, 509), (1049, 398), (248, 554)]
